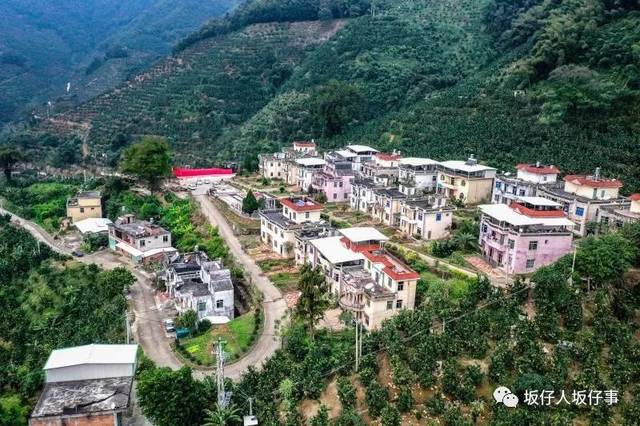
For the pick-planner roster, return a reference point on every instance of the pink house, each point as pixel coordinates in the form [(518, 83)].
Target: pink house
[(530, 233), (335, 180)]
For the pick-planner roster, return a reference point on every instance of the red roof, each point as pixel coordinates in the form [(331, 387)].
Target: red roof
[(589, 181), (394, 268), (180, 173), (635, 197), (388, 157), (301, 204), (307, 144), (541, 170), (536, 213)]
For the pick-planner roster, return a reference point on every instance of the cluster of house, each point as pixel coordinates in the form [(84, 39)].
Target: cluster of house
[(531, 221), (192, 280)]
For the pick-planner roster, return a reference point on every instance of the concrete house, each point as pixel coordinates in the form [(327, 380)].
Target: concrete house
[(139, 240), (383, 169), (335, 179), (387, 206), (196, 283), (86, 386), (619, 215), (429, 218), (528, 178), (359, 155), (529, 233), (307, 168), (85, 205), (467, 181), (278, 226), (362, 196), (417, 175), (583, 197), (366, 279)]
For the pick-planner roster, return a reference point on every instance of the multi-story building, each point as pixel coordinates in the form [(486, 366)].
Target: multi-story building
[(359, 155), (196, 283), (383, 170), (417, 175), (307, 168), (466, 181), (529, 233), (335, 179), (272, 166), (278, 226), (307, 148), (619, 215), (366, 279), (528, 178), (139, 240), (308, 233), (582, 197), (362, 196), (278, 165), (429, 218), (387, 205), (85, 205)]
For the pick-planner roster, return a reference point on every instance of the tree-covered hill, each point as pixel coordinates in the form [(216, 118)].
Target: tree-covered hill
[(506, 80), (94, 44)]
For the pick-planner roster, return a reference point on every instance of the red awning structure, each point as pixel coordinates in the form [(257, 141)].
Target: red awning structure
[(184, 173)]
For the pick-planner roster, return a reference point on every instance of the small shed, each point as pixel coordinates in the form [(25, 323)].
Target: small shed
[(91, 362)]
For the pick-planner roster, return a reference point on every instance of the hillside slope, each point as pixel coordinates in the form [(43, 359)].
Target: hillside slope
[(93, 44), (508, 81)]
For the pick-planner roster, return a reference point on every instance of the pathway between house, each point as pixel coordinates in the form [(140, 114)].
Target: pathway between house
[(273, 305)]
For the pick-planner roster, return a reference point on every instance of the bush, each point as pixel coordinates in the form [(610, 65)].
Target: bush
[(204, 325)]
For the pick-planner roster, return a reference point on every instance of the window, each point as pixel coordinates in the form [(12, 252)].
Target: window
[(579, 211), (81, 209), (530, 263), (438, 217), (335, 196), (484, 228), (306, 215), (498, 184), (419, 216), (463, 182), (533, 245), (389, 282), (142, 243), (521, 192), (398, 304), (219, 304), (512, 243), (389, 305), (377, 277), (400, 286), (165, 238), (202, 306), (346, 195)]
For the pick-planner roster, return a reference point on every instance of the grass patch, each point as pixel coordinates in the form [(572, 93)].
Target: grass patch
[(285, 280), (269, 265), (239, 335)]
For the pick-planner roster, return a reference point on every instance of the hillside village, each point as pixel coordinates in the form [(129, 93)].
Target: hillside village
[(358, 216), (459, 246)]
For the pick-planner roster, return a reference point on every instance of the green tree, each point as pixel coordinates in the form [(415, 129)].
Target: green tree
[(390, 416), (322, 418), (335, 106), (12, 411), (222, 416), (149, 161), (376, 397), (9, 157), (346, 393), (187, 319), (250, 203), (171, 398), (604, 259), (313, 299)]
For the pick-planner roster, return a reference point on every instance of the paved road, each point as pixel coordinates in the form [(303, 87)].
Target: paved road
[(274, 306)]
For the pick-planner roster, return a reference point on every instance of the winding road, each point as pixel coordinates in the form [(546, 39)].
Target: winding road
[(147, 325), (273, 305)]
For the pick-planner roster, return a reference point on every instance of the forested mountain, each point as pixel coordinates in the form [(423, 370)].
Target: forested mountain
[(507, 80), (94, 44)]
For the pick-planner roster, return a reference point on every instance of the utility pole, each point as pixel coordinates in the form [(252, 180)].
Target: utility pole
[(573, 265), (357, 346), (223, 396), (126, 324)]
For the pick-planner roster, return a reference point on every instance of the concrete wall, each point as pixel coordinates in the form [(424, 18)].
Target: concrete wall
[(276, 237), (87, 372), (78, 420), (84, 212), (588, 191), (536, 177), (439, 229)]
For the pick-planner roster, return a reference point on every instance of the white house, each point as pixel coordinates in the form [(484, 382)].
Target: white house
[(528, 178), (416, 175), (199, 284), (139, 240), (429, 218), (307, 167)]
